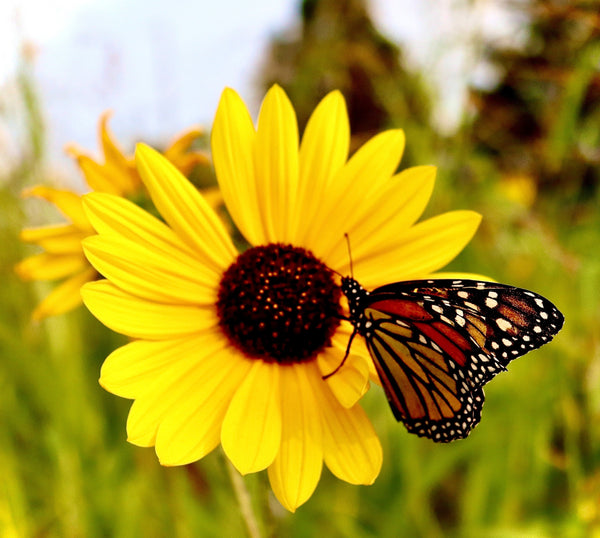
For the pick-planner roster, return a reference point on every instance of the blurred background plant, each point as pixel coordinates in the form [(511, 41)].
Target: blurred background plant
[(525, 153)]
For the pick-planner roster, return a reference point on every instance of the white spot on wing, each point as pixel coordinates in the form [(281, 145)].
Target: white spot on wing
[(491, 303), (503, 324)]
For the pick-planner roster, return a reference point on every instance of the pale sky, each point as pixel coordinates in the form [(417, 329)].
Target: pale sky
[(161, 66)]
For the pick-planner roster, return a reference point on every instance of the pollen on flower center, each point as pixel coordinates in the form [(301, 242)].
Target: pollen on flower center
[(279, 303)]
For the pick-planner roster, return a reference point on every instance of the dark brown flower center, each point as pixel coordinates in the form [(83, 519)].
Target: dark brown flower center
[(279, 303)]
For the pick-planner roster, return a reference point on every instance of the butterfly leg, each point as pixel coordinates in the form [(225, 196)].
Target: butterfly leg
[(345, 356)]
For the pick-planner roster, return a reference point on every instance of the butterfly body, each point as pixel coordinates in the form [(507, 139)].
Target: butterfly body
[(435, 343)]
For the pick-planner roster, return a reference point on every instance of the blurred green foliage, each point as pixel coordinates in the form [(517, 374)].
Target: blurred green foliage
[(542, 118), (531, 468)]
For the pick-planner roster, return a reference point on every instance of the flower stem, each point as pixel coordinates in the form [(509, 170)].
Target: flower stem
[(243, 497)]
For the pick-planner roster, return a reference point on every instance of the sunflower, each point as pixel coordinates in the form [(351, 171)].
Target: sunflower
[(232, 348), (63, 257)]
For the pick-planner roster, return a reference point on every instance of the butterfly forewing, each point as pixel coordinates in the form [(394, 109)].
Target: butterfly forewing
[(435, 343)]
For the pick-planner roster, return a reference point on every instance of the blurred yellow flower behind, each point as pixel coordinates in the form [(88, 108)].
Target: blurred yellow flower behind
[(63, 256), (519, 188)]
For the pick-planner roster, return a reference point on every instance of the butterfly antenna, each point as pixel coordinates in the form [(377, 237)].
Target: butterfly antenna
[(349, 255), (336, 272)]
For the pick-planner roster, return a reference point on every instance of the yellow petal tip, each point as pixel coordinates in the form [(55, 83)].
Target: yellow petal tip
[(142, 149), (105, 116), (73, 150)]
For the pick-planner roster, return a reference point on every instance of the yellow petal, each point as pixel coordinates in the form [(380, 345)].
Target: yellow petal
[(184, 208), (359, 347), (98, 177), (164, 381), (297, 468), (64, 297), (385, 215), (342, 337), (181, 143), (420, 250), (193, 428), (351, 381), (147, 273), (61, 239), (323, 152), (67, 202), (129, 315), (113, 153), (352, 450), (188, 161), (130, 370), (367, 171), (115, 215), (119, 170), (117, 174), (232, 143), (251, 432), (144, 417), (179, 152), (50, 266), (276, 164)]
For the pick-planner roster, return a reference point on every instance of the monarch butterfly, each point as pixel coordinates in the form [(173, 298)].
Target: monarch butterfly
[(436, 343)]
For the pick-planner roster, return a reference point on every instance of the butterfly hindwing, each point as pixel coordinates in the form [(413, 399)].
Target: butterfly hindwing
[(423, 391), (450, 429), (436, 343)]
